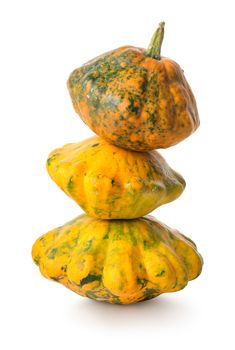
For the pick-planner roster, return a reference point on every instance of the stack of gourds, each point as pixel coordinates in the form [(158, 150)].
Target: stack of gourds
[(136, 101)]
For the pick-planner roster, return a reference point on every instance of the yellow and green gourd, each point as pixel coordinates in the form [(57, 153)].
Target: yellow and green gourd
[(139, 101), (119, 261), (109, 182)]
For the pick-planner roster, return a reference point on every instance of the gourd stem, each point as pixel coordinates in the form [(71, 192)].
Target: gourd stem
[(154, 49)]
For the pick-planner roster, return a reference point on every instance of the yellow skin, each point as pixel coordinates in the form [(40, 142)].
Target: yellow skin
[(118, 261), (109, 182)]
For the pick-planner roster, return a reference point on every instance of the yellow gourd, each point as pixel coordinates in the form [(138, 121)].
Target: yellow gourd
[(109, 182), (118, 261)]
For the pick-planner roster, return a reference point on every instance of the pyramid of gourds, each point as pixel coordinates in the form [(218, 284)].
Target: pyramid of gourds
[(136, 101)]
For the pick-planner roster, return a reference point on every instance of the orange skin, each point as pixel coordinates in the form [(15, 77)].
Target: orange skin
[(134, 101)]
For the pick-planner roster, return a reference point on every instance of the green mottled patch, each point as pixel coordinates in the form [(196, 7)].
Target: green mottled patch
[(142, 281), (134, 107), (116, 300), (153, 86), (146, 245), (133, 236), (98, 211), (175, 284), (152, 118), (57, 279), (119, 231), (64, 268), (161, 273), (71, 184), (150, 174), (88, 245), (149, 293), (37, 260), (92, 295), (51, 159), (43, 240), (159, 188), (52, 253), (95, 145), (89, 279)]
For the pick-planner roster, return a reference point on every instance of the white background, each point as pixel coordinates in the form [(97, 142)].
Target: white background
[(41, 43)]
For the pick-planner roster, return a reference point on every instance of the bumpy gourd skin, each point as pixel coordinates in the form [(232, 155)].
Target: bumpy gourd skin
[(118, 261), (134, 101), (110, 182)]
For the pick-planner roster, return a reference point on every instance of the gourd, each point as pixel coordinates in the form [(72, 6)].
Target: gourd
[(135, 98), (118, 261), (109, 182)]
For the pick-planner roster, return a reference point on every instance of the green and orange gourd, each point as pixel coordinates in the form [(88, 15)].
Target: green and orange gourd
[(136, 101), (135, 98)]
